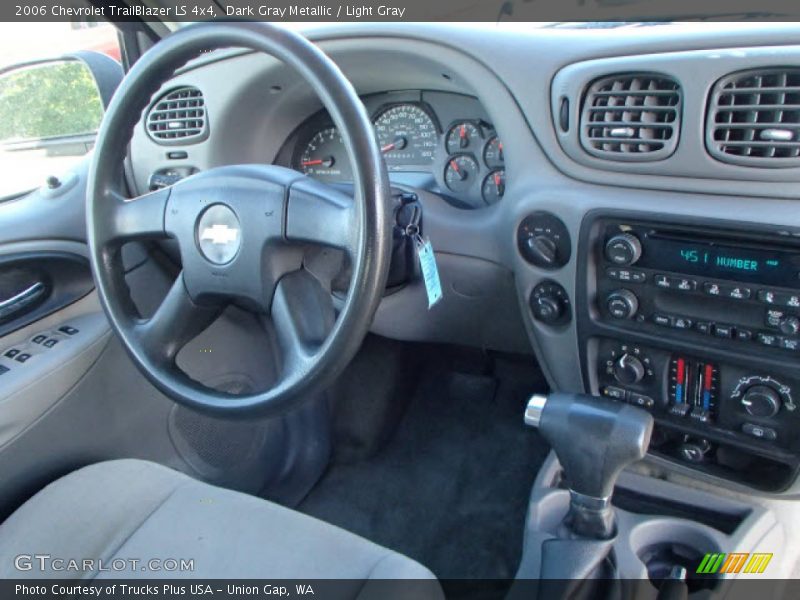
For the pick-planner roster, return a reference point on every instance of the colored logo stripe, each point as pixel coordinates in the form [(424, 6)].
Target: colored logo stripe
[(758, 563), (719, 562)]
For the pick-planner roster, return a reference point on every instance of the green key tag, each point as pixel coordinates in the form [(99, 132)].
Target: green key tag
[(430, 272)]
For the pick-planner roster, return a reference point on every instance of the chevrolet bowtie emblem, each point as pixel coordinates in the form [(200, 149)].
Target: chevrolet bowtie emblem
[(220, 234)]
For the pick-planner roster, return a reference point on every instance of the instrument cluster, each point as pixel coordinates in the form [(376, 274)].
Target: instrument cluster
[(463, 160)]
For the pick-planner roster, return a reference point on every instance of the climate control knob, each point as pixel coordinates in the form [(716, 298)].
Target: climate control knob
[(761, 401), (622, 304), (628, 370), (623, 249)]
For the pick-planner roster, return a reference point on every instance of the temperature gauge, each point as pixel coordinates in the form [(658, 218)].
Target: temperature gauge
[(493, 153), (494, 186), (462, 137), (461, 172)]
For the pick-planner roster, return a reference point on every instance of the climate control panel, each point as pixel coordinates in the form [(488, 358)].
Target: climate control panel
[(705, 411)]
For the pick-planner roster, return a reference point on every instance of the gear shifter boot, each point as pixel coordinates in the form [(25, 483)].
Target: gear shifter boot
[(594, 439)]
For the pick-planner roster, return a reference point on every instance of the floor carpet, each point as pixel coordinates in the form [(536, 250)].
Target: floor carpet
[(450, 488)]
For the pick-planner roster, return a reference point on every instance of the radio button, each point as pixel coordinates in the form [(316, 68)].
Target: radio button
[(683, 284), (663, 281), (772, 297), (723, 331), (704, 327), (768, 339), (739, 293), (792, 344), (712, 289), (681, 323), (744, 335), (662, 320)]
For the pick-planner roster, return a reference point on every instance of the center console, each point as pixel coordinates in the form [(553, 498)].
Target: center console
[(698, 323)]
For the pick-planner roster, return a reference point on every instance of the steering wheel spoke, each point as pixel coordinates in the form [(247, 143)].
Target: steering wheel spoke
[(138, 218), (320, 214), (302, 316), (174, 324)]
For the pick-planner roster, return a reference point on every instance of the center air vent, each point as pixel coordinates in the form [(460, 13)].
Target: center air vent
[(631, 117), (178, 117), (754, 118)]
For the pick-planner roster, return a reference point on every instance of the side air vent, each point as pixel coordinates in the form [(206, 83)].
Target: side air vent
[(754, 118), (178, 117), (631, 117)]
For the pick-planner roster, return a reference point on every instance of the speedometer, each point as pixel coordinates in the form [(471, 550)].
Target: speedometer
[(407, 135), (325, 157)]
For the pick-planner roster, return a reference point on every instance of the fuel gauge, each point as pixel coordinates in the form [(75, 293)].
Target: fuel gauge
[(494, 186)]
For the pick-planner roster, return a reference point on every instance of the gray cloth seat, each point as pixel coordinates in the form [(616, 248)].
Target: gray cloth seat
[(132, 509)]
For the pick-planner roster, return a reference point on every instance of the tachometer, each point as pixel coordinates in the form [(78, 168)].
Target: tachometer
[(407, 135), (325, 157)]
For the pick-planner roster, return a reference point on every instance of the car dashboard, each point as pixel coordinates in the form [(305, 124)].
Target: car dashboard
[(621, 203), (438, 141)]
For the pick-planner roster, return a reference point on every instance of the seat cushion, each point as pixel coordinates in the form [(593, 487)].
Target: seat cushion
[(137, 510)]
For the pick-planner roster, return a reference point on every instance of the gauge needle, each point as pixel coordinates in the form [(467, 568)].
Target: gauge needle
[(501, 188), (325, 162), (398, 144), (463, 139), (500, 150), (462, 175)]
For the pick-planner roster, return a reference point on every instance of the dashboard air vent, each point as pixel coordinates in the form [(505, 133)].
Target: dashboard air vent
[(754, 118), (178, 117), (631, 117)]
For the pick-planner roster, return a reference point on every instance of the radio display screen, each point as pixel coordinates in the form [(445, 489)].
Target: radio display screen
[(717, 261)]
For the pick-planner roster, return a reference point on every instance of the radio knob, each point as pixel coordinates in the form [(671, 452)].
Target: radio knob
[(623, 249), (761, 401), (789, 325), (622, 304), (628, 370)]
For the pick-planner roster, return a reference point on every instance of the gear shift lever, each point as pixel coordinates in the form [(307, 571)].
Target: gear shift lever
[(594, 439)]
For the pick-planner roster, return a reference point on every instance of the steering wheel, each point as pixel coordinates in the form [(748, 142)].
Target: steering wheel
[(239, 230)]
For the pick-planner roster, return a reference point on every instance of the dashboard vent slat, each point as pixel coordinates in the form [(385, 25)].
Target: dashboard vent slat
[(753, 118), (631, 117), (178, 117)]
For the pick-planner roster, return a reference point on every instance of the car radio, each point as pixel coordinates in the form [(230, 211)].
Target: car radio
[(701, 327), (743, 290)]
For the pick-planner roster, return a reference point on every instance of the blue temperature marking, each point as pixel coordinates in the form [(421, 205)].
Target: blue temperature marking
[(679, 393), (706, 399)]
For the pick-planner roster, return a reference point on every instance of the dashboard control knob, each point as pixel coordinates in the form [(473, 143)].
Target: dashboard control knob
[(623, 249), (694, 450), (548, 309), (622, 304), (543, 249), (789, 325), (761, 401), (549, 303), (628, 370)]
